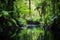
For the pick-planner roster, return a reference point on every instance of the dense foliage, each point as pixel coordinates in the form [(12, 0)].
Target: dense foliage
[(17, 15)]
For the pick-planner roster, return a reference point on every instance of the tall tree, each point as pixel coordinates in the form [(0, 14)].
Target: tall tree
[(30, 7)]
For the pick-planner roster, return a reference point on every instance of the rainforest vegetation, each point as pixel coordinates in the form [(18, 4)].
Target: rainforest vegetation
[(29, 19)]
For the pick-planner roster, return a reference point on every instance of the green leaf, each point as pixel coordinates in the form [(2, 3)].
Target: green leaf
[(5, 13)]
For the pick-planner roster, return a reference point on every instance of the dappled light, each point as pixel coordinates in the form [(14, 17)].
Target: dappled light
[(29, 19)]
